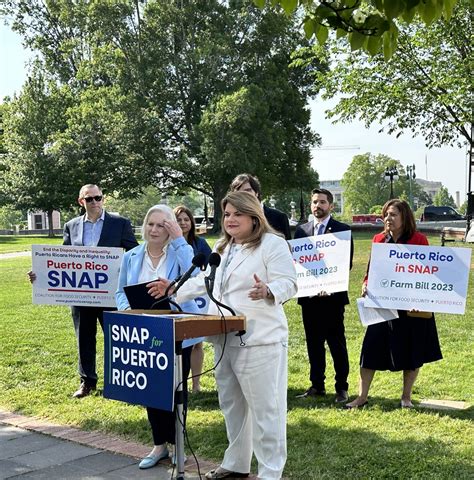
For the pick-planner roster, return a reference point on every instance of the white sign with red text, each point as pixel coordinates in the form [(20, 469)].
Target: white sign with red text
[(322, 263), (80, 276), (418, 277)]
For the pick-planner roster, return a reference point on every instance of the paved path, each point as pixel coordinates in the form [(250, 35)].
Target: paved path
[(36, 449), (14, 254)]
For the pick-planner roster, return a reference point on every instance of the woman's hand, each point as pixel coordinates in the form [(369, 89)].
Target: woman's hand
[(158, 288), (259, 290), (31, 276), (173, 229)]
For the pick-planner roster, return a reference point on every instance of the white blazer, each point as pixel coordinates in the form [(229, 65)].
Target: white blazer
[(266, 320)]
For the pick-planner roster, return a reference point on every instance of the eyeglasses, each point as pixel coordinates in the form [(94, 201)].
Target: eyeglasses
[(97, 198)]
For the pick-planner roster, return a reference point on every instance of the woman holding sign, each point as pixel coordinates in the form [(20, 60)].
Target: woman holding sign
[(255, 276), (408, 342), (164, 254)]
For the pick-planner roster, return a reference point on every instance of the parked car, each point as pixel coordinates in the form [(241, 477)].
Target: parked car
[(432, 213)]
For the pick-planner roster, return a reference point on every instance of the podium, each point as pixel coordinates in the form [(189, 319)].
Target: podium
[(186, 326)]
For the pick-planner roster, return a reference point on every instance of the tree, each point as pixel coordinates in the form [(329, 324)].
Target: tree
[(365, 186), (425, 89), (32, 179), (368, 25), (443, 197), (463, 208), (9, 217), (135, 208), (150, 78)]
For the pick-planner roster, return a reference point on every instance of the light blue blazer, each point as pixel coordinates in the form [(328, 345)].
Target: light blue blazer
[(179, 258)]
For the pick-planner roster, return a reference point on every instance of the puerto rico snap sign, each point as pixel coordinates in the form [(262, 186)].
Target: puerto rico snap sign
[(418, 277), (80, 276)]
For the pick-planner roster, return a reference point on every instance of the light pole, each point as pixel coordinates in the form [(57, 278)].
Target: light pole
[(390, 175), (411, 176), (293, 211)]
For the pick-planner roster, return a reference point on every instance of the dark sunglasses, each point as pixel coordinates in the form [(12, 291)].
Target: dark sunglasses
[(97, 198)]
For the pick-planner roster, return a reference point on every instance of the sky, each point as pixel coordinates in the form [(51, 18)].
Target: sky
[(447, 165)]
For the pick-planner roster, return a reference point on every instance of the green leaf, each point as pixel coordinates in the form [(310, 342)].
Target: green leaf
[(449, 7), (373, 44), (427, 11), (322, 34), (289, 5), (340, 33), (387, 45), (392, 8), (379, 5), (259, 3), (356, 40), (409, 15), (309, 27)]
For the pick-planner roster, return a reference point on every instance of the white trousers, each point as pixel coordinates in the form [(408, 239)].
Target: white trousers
[(252, 385)]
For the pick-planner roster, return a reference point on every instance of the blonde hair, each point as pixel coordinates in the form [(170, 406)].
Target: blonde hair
[(247, 204), (164, 209)]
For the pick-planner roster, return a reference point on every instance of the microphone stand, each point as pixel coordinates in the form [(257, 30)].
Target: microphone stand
[(211, 296)]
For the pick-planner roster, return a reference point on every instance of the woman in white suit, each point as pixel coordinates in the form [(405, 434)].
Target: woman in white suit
[(166, 254), (256, 275)]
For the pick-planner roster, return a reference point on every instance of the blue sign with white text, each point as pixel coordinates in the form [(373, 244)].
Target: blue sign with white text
[(139, 359)]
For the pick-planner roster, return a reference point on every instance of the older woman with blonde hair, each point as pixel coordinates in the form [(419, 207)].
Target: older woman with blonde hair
[(255, 277), (164, 254)]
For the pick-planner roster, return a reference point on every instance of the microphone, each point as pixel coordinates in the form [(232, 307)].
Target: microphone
[(214, 262), (199, 261)]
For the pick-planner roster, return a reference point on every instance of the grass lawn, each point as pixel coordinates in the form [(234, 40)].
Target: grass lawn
[(38, 375), (22, 243)]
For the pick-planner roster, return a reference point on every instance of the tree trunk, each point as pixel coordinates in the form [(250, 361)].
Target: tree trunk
[(50, 224), (218, 195)]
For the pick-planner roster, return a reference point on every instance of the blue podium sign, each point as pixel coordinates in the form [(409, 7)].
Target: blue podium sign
[(139, 359)]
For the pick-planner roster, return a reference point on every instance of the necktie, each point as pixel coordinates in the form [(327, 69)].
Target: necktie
[(320, 229)]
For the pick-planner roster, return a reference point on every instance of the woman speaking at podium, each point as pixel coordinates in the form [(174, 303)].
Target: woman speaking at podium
[(166, 254), (256, 275)]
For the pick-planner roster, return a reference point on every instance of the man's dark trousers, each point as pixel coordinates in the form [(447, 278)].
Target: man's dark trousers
[(323, 320), (85, 325)]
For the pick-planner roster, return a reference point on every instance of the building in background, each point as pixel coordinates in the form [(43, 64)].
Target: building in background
[(337, 190), (429, 187), (39, 220)]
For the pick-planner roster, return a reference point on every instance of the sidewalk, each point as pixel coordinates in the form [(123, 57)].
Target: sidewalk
[(36, 449), (15, 254)]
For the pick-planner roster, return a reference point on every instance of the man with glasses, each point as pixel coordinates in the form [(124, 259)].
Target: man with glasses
[(95, 228)]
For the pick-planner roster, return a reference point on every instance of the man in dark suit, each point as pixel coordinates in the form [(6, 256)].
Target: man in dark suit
[(248, 183), (95, 228), (323, 314)]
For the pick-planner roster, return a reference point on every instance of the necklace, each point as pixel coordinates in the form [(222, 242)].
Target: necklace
[(154, 256)]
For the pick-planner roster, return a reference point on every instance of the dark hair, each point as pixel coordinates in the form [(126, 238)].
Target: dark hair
[(192, 233), (323, 191), (248, 205), (239, 180), (408, 219)]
